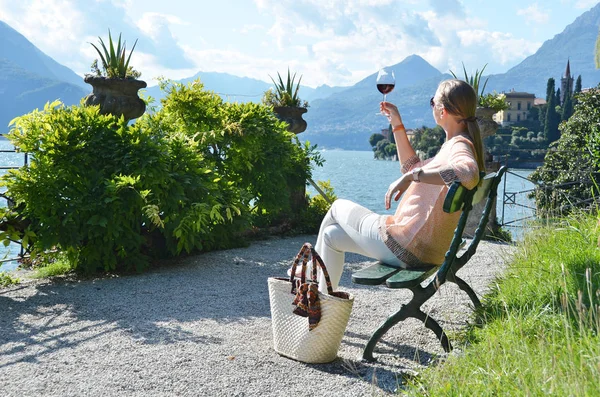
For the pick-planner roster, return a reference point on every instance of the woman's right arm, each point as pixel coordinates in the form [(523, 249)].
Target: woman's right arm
[(403, 146)]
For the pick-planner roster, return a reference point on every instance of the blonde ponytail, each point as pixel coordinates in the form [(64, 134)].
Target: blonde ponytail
[(460, 99)]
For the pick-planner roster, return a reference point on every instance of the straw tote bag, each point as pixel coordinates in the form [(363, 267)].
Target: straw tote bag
[(308, 325)]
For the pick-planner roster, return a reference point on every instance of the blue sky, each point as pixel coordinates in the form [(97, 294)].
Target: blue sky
[(334, 42)]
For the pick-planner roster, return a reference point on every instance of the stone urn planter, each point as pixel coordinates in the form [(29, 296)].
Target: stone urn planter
[(487, 125), (115, 96), (293, 117)]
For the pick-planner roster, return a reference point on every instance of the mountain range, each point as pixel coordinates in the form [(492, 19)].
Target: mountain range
[(338, 117)]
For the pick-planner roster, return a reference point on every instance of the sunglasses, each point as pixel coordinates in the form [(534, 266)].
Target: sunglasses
[(431, 102)]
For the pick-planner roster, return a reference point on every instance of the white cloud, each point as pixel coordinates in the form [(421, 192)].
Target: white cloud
[(503, 48), (251, 28), (154, 24), (54, 25), (534, 15), (63, 30), (337, 42)]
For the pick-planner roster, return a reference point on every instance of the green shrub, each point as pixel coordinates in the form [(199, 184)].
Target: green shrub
[(109, 194), (573, 162), (190, 177), (246, 145)]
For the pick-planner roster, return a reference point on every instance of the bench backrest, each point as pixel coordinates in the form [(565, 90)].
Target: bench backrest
[(460, 198)]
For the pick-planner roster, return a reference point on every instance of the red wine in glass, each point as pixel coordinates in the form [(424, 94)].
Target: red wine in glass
[(385, 88), (386, 81)]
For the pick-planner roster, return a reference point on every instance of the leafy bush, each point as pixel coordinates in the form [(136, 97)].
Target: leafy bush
[(245, 144), (570, 174), (192, 176), (375, 138), (99, 189)]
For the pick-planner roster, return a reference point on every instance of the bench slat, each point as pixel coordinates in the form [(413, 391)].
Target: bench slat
[(374, 275), (409, 278)]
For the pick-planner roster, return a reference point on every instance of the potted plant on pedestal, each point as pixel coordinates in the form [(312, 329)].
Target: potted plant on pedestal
[(116, 85), (286, 104)]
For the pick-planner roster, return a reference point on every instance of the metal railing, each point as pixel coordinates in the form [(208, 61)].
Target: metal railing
[(4, 258), (523, 198)]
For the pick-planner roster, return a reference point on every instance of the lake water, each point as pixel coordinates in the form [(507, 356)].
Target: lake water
[(354, 175)]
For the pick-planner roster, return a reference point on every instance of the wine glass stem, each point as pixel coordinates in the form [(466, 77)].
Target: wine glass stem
[(383, 97)]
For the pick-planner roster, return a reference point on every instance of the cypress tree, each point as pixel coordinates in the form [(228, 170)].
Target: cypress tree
[(552, 120), (557, 100), (578, 84), (549, 89), (567, 109)]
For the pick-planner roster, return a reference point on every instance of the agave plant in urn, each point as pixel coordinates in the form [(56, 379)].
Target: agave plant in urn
[(286, 104), (115, 83)]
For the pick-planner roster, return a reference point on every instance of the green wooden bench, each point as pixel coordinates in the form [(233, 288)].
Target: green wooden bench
[(458, 198)]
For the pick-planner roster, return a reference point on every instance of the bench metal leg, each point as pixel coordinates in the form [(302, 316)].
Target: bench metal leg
[(394, 319), (409, 310), (437, 330), (462, 284)]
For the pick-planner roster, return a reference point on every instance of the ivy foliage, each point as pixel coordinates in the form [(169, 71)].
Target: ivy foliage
[(570, 174), (191, 176)]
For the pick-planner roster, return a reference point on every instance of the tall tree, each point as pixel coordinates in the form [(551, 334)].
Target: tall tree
[(578, 85), (567, 108), (375, 138), (552, 121), (557, 100), (549, 89)]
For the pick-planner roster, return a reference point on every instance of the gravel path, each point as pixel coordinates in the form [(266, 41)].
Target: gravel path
[(201, 327)]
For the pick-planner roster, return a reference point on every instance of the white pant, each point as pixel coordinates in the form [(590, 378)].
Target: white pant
[(349, 227)]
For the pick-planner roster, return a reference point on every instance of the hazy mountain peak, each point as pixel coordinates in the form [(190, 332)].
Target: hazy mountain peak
[(16, 47)]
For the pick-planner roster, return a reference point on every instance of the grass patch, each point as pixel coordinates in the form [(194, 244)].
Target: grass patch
[(58, 267), (538, 331), (6, 279)]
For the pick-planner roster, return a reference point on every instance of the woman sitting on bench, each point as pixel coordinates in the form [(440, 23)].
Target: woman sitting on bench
[(419, 233)]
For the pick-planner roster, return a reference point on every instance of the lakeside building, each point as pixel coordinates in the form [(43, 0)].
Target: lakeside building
[(522, 102), (520, 105)]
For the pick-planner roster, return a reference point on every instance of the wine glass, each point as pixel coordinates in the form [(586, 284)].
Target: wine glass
[(385, 83)]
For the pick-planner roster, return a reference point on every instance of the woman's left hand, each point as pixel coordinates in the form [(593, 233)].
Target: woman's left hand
[(396, 189)]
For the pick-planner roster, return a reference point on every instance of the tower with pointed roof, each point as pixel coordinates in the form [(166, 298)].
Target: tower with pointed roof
[(566, 83)]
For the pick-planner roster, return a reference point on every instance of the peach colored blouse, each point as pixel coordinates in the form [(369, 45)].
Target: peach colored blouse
[(420, 231)]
